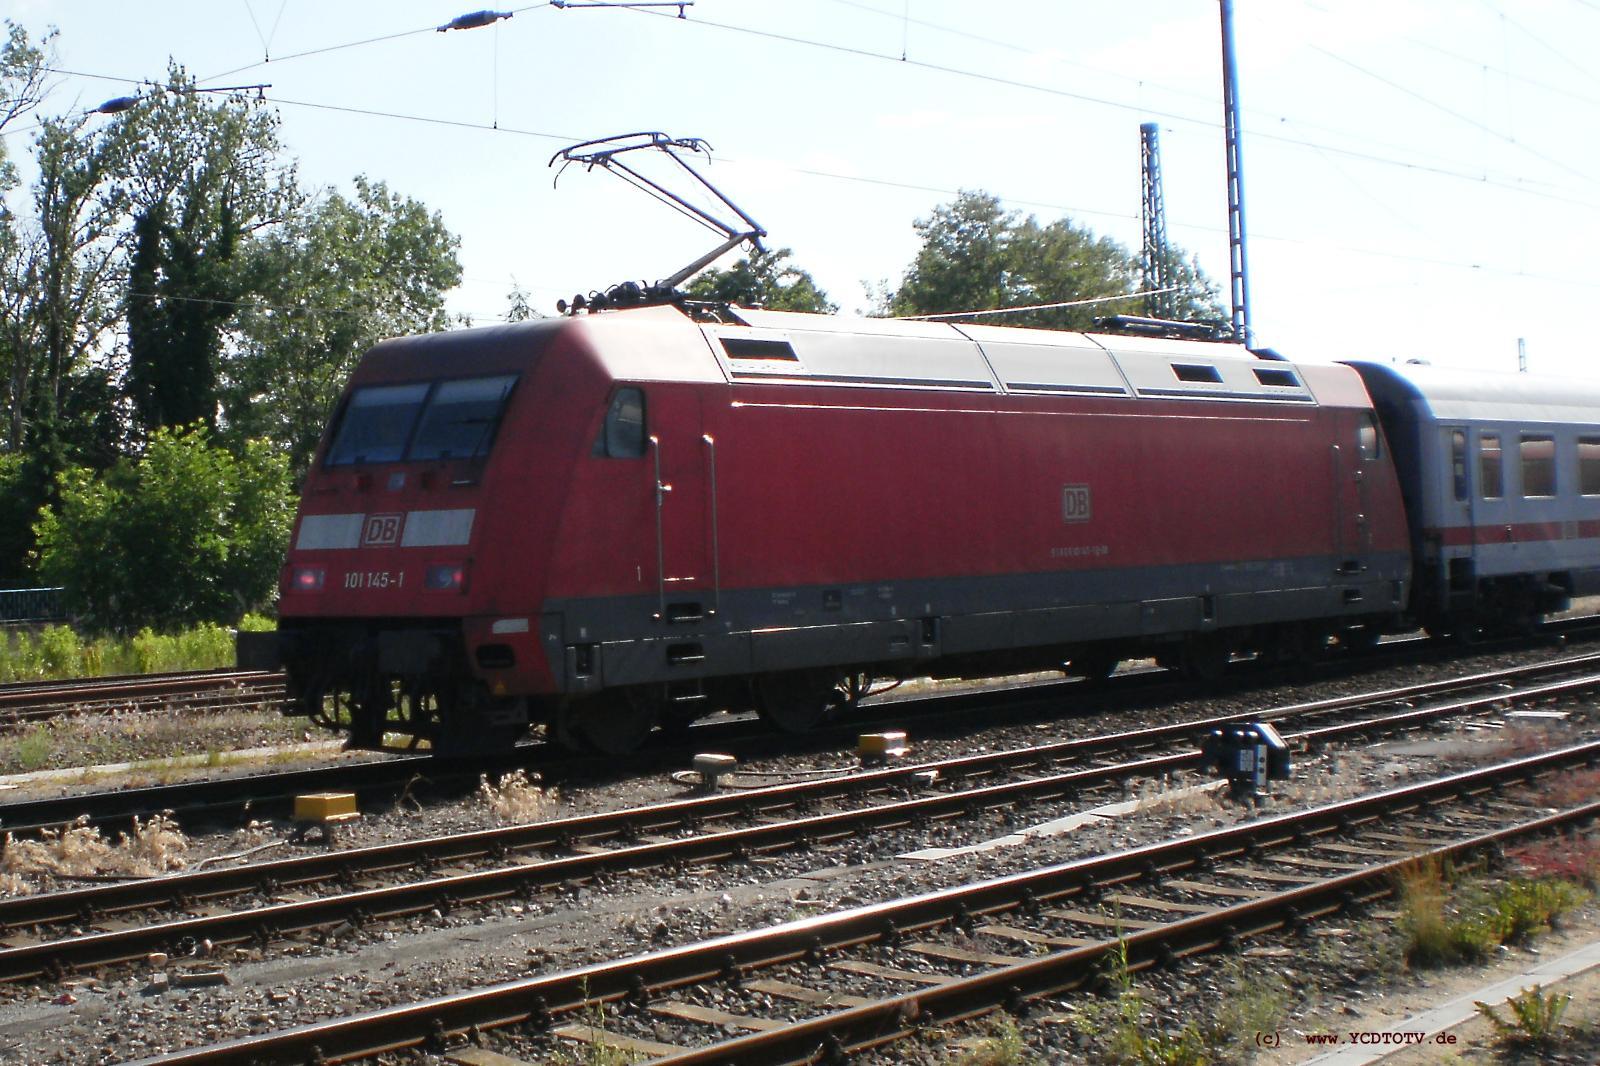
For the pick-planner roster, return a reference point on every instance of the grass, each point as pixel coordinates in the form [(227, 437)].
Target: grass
[(60, 652), (148, 739), (1122, 1030), (79, 851), (1534, 1020), (1445, 925), (515, 799), (1003, 1046)]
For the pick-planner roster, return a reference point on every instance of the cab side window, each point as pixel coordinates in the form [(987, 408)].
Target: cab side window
[(623, 435), (1367, 436)]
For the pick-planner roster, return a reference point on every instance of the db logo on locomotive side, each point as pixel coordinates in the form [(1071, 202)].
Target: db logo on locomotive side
[(1075, 503), (381, 529)]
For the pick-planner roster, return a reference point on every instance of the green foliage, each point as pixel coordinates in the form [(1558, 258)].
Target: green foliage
[(206, 176), (186, 534), (35, 749), (334, 280), (1523, 908), (765, 279), (1443, 929), (976, 255), (1535, 1019), (58, 652)]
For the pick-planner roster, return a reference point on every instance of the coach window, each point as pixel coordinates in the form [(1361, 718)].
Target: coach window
[(1538, 465), (1489, 476), (1367, 436), (1458, 461), (623, 434), (1589, 466)]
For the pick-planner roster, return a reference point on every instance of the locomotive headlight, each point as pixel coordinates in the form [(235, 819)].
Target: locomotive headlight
[(306, 578), (445, 577)]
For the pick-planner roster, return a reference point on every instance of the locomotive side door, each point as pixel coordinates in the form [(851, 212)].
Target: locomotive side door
[(683, 476), (1349, 519)]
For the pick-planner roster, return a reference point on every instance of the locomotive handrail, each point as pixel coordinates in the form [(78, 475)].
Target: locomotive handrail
[(661, 558), (716, 559)]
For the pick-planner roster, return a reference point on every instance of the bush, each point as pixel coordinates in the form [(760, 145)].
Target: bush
[(58, 652), (189, 533)]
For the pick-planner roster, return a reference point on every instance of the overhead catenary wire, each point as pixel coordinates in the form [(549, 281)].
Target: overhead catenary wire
[(1521, 186), (568, 138), (1172, 116), (1452, 112), (325, 49)]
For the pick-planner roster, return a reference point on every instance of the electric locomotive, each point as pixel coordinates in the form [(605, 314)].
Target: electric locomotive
[(606, 523)]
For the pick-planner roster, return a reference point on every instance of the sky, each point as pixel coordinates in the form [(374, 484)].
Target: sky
[(1421, 177)]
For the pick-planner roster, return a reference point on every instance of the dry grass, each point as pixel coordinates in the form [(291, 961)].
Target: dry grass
[(515, 798), (82, 851)]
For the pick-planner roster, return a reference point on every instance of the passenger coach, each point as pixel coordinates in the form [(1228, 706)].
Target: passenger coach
[(1501, 479)]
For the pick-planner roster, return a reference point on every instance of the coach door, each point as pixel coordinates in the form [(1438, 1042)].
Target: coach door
[(683, 467)]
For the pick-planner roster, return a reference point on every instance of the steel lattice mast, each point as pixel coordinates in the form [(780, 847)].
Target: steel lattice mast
[(1236, 234), (1155, 263)]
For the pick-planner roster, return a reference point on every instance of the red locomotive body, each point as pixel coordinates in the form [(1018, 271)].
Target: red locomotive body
[(611, 521)]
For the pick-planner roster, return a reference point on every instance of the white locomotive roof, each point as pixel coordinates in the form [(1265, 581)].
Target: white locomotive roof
[(787, 347), (1446, 394)]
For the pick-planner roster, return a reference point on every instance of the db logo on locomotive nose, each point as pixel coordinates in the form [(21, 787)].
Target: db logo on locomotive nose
[(1075, 503), (381, 529)]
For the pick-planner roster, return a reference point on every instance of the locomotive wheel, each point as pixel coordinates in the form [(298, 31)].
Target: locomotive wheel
[(1359, 639), (1205, 659), (617, 722), (1092, 665), (797, 701)]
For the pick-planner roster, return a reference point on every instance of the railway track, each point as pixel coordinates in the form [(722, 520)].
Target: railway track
[(265, 902), (863, 977), (187, 690), (269, 795)]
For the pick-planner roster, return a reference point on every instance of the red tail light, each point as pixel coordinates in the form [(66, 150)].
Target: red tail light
[(446, 577), (306, 578)]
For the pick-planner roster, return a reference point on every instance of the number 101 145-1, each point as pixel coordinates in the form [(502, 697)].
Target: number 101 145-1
[(374, 579)]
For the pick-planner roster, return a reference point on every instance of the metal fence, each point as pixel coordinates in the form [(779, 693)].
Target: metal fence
[(31, 605)]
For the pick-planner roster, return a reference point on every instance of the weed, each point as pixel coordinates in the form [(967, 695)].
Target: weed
[(154, 846), (57, 652), (34, 751), (1003, 1047), (1440, 932), (514, 798), (1575, 859), (1525, 907), (1125, 1034), (597, 1052), (1535, 1019), (1253, 1002), (1434, 935)]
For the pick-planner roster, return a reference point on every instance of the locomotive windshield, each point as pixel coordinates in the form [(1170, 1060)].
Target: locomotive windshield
[(442, 420)]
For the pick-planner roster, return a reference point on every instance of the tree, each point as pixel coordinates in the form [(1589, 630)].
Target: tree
[(977, 256), (335, 279), (764, 279), (188, 533), (203, 175)]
